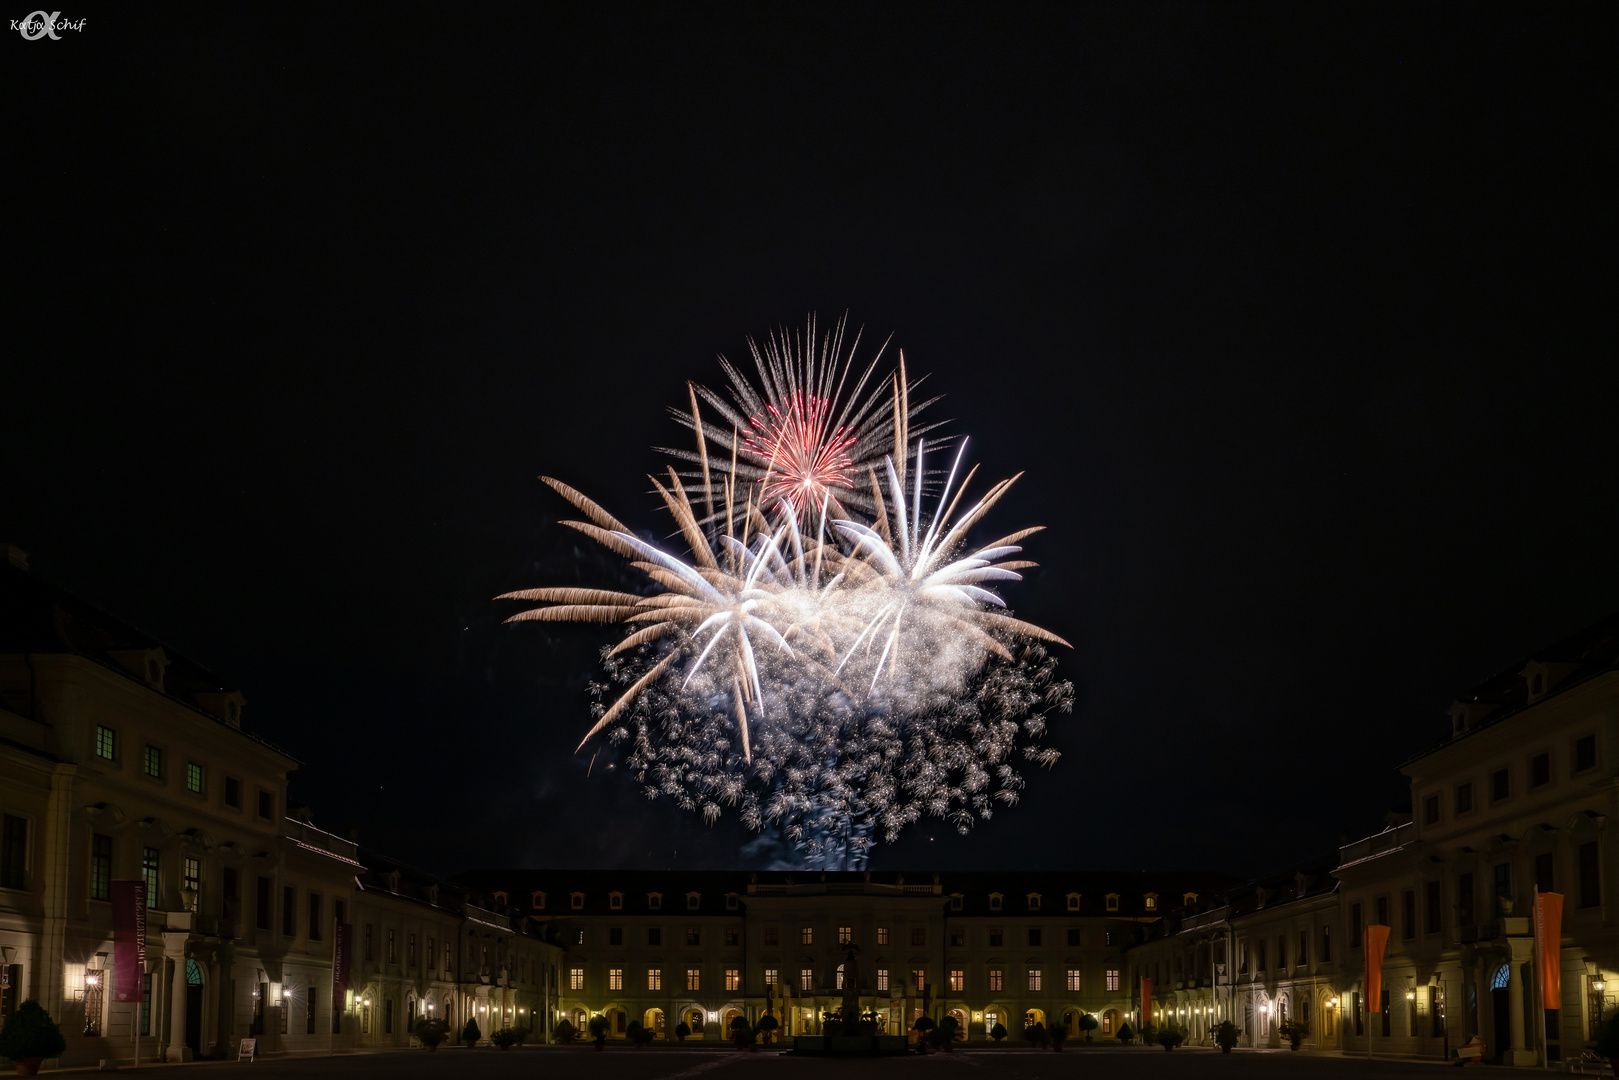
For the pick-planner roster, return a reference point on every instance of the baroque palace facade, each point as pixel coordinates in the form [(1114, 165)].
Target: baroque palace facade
[(122, 761)]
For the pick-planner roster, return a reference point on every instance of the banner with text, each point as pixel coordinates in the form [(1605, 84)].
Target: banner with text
[(1377, 943), (1146, 1001), (342, 954), (1549, 948), (128, 938)]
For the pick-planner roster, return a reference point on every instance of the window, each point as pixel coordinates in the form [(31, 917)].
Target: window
[(1112, 979), (1503, 880), (576, 901), (152, 762), (882, 979), (100, 867), (537, 900), (772, 976), (194, 778), (806, 935), (1360, 1017), (1590, 876), (264, 902), (955, 901), (1464, 798), (289, 911), (1034, 901), (994, 901), (996, 937), (1408, 919), (654, 901), (1073, 979), (150, 869), (410, 951), (106, 743), (146, 1005), (1430, 810), (1326, 944), (732, 903), (845, 935), (266, 806), (1386, 1017), (393, 949), (1382, 905), (773, 936), (615, 978), (654, 935), (958, 980), (1543, 872), (694, 978), (919, 936), (615, 935), (806, 979), (1259, 955), (997, 979), (1152, 902), (1242, 958), (1500, 785), (733, 979), (1281, 954), (1073, 901), (958, 939), (14, 853), (694, 936), (447, 971), (1540, 770), (1073, 937), (576, 978), (1464, 898), (615, 901), (694, 901), (1304, 948), (919, 979), (233, 793), (882, 935), (654, 978), (1113, 901), (432, 954), (1585, 753), (1034, 937), (1034, 978)]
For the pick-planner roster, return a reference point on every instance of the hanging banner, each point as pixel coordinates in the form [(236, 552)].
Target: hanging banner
[(1377, 943), (128, 939), (1549, 948), (1146, 1001), (342, 953)]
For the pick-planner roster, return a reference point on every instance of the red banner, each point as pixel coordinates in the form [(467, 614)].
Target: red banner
[(1377, 943), (342, 953), (1146, 1001), (1549, 948), (128, 939)]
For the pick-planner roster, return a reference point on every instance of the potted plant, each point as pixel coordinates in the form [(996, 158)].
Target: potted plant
[(1226, 1036), (1125, 1034), (1294, 1032), (29, 1037), (1057, 1032), (432, 1032), (682, 1030), (598, 1031), (1087, 1024), (471, 1034), (566, 1032), (923, 1025), (768, 1025), (1170, 1037), (504, 1038), (1036, 1033), (522, 1034), (944, 1034), (742, 1033), (998, 1032)]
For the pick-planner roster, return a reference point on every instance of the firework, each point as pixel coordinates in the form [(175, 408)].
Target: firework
[(831, 677)]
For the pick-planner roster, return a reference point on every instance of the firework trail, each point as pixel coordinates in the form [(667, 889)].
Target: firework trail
[(833, 678)]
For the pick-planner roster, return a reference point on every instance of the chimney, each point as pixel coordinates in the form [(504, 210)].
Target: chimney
[(16, 556)]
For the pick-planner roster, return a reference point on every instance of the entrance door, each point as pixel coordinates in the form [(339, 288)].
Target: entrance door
[(194, 1018), (1501, 1000)]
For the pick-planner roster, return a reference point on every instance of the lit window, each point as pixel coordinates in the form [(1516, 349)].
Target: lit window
[(845, 935), (733, 979), (806, 935), (1152, 902), (576, 978), (1112, 978), (615, 978), (771, 976), (1034, 978), (1073, 978), (191, 880), (194, 778), (919, 979), (153, 761), (882, 978), (694, 978), (958, 980), (882, 935), (654, 978), (806, 979), (996, 979), (106, 742), (149, 874)]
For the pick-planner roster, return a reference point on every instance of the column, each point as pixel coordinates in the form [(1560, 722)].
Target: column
[(174, 945), (57, 858), (1522, 948)]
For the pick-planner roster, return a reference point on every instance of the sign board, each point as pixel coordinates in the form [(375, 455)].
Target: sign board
[(248, 1050), (342, 955), (128, 938)]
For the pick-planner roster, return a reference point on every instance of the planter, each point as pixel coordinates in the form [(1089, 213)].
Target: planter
[(505, 1047), (1225, 1049), (1056, 1048), (470, 1043), (432, 1047), (29, 1066), (600, 1047), (1294, 1046)]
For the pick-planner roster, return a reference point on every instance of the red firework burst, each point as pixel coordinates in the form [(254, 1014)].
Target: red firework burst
[(803, 458)]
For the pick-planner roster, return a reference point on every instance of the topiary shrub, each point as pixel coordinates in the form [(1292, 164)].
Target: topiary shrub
[(767, 1026), (1169, 1037), (1087, 1023), (566, 1032), (1036, 1033), (504, 1037), (31, 1033), (998, 1032), (471, 1033), (432, 1032), (1125, 1034), (682, 1030), (598, 1028), (1057, 1032)]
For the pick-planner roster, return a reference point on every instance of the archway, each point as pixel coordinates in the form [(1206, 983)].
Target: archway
[(960, 1017), (726, 1018), (652, 1020), (617, 1021), (580, 1022), (1110, 1022), (194, 999), (694, 1020), (991, 1018), (1033, 1017)]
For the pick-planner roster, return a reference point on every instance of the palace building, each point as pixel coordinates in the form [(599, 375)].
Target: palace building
[(122, 762)]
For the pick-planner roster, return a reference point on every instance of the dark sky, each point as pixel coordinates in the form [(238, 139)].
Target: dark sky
[(1300, 318)]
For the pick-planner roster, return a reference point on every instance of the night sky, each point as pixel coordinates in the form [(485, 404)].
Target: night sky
[(1300, 318)]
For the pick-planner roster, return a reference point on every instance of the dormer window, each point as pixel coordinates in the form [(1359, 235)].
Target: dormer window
[(576, 901), (538, 901), (147, 665), (1034, 901), (732, 902), (1191, 898), (955, 901), (500, 898), (1073, 901), (615, 901), (994, 901), (694, 901), (654, 901), (1113, 901), (1151, 900)]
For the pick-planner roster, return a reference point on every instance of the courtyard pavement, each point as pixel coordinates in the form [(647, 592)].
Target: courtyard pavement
[(625, 1063)]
